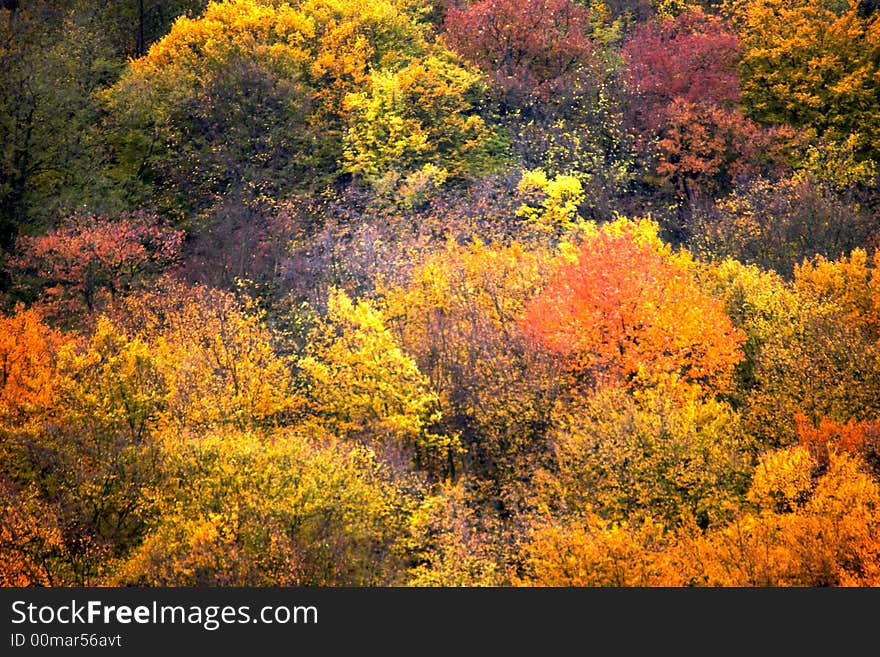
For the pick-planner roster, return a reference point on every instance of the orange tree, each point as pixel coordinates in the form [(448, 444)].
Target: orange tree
[(624, 308)]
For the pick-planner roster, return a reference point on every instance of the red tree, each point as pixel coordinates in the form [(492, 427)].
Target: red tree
[(89, 255), (692, 58), (684, 93), (531, 49)]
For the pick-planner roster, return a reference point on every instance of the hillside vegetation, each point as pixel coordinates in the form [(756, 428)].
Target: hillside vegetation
[(474, 293)]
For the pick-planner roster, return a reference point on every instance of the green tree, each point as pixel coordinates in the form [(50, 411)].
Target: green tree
[(54, 59)]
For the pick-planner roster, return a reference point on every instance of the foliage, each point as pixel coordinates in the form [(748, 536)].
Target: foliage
[(812, 64), (216, 356), (28, 351), (691, 57), (288, 507), (861, 438), (363, 385), (620, 311), (285, 98), (54, 58), (533, 51), (558, 199), (449, 543), (457, 315), (30, 539), (88, 258), (761, 305), (825, 363), (777, 223), (826, 538), (554, 67), (666, 454), (87, 457), (343, 293), (684, 85), (423, 114), (216, 102), (591, 552), (847, 284)]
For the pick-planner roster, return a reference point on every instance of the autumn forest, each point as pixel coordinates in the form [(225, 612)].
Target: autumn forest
[(466, 293)]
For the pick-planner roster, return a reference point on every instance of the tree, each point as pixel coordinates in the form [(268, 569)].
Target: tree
[(362, 385), (860, 438), (133, 26), (668, 455), (759, 303), (451, 541), (423, 114), (704, 148), (554, 67), (813, 64), (457, 315), (692, 57), (30, 540), (288, 507), (28, 351), (85, 459), (558, 198), (825, 364), (777, 223), (803, 530), (536, 51), (54, 60), (684, 92), (216, 355), (257, 98), (89, 257), (849, 284), (620, 311), (220, 101), (591, 552)]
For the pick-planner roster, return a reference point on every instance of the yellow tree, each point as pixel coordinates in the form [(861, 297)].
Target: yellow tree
[(668, 453), (551, 203), (422, 114), (849, 284), (280, 507), (80, 452), (813, 64), (761, 304), (216, 355), (457, 314), (590, 551), (362, 384)]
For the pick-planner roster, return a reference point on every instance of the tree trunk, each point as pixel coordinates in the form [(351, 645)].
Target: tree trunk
[(141, 46)]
